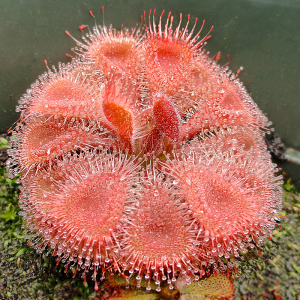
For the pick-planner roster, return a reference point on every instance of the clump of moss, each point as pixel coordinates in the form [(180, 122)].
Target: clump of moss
[(4, 145)]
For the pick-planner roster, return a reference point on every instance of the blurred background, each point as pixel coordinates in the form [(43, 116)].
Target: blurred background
[(263, 36)]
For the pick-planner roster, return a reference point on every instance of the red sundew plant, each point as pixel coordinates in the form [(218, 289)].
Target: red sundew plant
[(144, 157)]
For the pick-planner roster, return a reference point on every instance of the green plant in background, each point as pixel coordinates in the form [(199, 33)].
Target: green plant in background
[(4, 143)]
